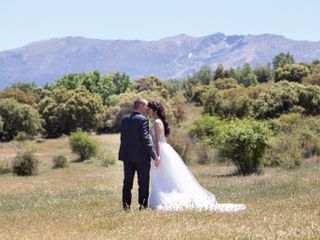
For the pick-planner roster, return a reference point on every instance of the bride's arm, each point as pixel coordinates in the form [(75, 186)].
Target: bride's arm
[(158, 131)]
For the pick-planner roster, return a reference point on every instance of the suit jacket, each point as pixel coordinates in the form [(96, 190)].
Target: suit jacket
[(135, 145)]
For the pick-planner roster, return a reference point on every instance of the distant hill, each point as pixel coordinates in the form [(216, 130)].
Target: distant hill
[(172, 57)]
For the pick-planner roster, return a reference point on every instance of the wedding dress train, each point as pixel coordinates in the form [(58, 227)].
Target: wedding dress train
[(174, 188)]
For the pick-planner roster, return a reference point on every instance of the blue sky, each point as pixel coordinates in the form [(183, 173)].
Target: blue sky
[(24, 21)]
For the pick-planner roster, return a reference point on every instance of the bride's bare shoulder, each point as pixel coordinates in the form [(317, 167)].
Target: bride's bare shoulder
[(158, 123)]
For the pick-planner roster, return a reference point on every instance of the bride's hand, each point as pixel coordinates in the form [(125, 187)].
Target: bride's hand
[(157, 162)]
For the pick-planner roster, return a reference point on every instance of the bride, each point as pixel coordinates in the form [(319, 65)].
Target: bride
[(173, 187)]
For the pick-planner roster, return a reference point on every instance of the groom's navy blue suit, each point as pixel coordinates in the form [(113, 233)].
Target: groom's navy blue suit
[(136, 150)]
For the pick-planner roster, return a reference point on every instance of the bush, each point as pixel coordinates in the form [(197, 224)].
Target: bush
[(25, 164), (226, 83), (207, 129), (284, 151), (17, 117), (5, 167), (244, 142), (206, 154), (83, 145), (197, 94), (182, 144), (19, 95), (314, 77), (64, 111), (108, 158), (21, 136), (178, 109), (287, 97), (60, 161), (297, 137), (291, 73), (231, 102)]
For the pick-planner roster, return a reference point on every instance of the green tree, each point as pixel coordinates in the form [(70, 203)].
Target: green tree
[(282, 59), (226, 83), (208, 129), (105, 86), (263, 73), (64, 111), (19, 95), (231, 102), (291, 72), (205, 75), (314, 77), (287, 97), (219, 72), (244, 75), (17, 117), (198, 94), (26, 87), (149, 83)]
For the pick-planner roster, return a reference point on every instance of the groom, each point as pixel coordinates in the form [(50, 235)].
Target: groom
[(135, 151)]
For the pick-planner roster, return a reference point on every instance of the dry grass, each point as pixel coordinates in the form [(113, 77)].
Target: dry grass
[(83, 202)]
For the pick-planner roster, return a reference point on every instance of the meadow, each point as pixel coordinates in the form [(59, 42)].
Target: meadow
[(84, 201)]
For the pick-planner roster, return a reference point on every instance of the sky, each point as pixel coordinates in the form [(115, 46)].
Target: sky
[(25, 21)]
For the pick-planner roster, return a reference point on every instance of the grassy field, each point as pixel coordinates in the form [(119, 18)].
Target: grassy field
[(84, 202)]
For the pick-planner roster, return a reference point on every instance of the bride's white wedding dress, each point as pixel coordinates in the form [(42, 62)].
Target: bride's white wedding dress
[(174, 188)]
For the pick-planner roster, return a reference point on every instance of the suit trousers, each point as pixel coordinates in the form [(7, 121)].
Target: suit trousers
[(143, 170)]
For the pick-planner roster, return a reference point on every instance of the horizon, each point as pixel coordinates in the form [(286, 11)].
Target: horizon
[(37, 20)]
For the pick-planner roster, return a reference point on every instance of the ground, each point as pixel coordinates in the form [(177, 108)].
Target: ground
[(84, 202)]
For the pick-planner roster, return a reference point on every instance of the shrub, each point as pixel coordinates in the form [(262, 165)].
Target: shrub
[(286, 97), (182, 144), (207, 128), (226, 83), (21, 136), (5, 167), (108, 158), (297, 137), (244, 142), (206, 154), (25, 164), (314, 77), (60, 161), (149, 83), (17, 117), (231, 102), (291, 73), (284, 151), (64, 111), (178, 109), (197, 94), (19, 95), (83, 145)]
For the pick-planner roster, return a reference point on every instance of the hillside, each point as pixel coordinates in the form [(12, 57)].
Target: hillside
[(172, 57)]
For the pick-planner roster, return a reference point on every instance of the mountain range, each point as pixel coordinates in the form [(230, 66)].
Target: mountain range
[(169, 58)]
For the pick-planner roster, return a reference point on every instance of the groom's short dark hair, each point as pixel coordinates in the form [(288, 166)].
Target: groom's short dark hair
[(137, 103)]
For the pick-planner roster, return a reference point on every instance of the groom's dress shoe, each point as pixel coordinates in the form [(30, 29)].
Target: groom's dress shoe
[(126, 207), (143, 208)]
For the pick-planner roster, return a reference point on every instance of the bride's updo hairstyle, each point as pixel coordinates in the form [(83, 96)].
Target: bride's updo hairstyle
[(159, 109)]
